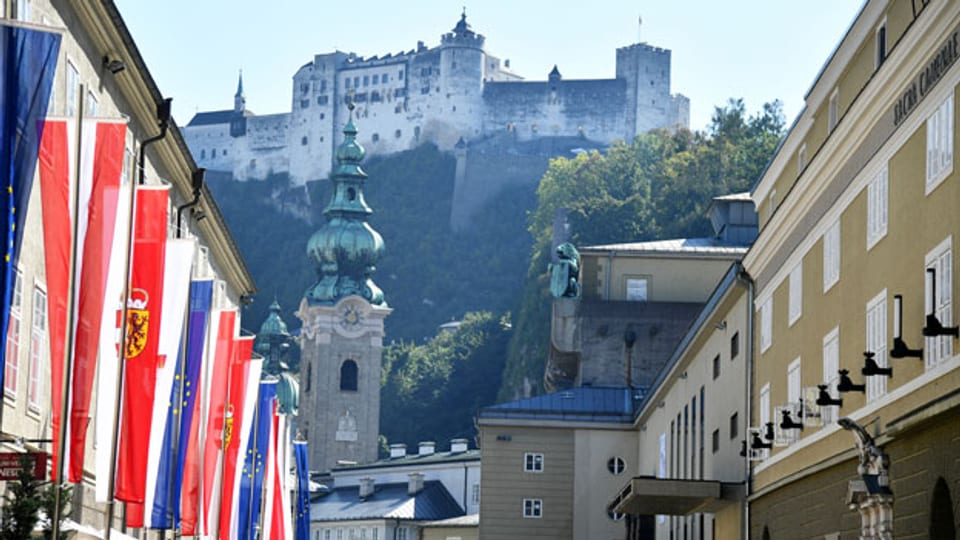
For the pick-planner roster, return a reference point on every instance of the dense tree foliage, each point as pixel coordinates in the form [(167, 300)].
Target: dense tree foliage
[(659, 186), (433, 391)]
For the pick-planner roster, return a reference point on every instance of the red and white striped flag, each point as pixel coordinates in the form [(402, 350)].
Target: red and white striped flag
[(98, 169), (218, 424), (142, 339)]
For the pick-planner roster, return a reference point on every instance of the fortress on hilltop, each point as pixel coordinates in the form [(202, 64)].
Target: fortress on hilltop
[(444, 94)]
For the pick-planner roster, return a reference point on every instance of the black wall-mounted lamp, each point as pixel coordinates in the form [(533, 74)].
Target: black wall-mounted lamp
[(824, 399), (900, 349), (846, 385), (934, 327), (743, 448), (768, 431), (760, 443), (870, 367), (788, 422), (114, 65)]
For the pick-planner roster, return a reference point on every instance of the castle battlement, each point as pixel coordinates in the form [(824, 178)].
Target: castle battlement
[(440, 95)]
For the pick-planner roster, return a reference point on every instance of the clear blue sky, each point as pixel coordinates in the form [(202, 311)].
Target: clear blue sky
[(759, 50)]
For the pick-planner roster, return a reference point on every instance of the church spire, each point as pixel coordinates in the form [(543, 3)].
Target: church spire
[(239, 99), (346, 249)]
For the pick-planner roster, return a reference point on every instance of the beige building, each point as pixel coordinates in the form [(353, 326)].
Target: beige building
[(689, 428), (853, 271), (100, 67)]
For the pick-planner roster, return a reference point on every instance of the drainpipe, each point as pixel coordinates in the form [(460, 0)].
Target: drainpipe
[(744, 278), (196, 180), (163, 115)]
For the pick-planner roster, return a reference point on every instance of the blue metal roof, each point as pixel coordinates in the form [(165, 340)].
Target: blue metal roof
[(389, 501), (582, 404)]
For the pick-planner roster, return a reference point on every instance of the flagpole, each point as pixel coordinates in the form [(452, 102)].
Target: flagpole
[(253, 428), (71, 328)]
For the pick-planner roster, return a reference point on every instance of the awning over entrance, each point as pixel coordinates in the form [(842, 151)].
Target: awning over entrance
[(646, 496)]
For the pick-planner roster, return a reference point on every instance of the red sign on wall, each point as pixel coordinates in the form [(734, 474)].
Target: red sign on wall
[(12, 462)]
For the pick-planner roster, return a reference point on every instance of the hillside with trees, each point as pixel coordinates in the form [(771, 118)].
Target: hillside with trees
[(658, 186)]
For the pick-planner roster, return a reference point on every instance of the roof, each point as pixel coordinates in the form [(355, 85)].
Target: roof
[(415, 459), (469, 520), (389, 501), (744, 196), (582, 404), (678, 246), (210, 118)]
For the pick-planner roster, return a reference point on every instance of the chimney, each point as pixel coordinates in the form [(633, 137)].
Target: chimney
[(458, 446), (427, 448), (415, 483), (366, 487), (398, 450)]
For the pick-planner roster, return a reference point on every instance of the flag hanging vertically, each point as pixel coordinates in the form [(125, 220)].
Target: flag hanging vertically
[(201, 297), (97, 170), (242, 400), (141, 341), (176, 287), (217, 424), (303, 491), (255, 462), (28, 61), (276, 508), (108, 364)]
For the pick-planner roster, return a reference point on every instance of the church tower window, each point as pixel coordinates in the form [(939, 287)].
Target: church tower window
[(348, 376)]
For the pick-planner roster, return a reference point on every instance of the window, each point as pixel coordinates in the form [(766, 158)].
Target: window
[(801, 159), (831, 255), (533, 462), (203, 153), (716, 366), (304, 103), (366, 80), (533, 508), (764, 412), (766, 324), (92, 105), (348, 376), (306, 387), (734, 345), (346, 82), (833, 110), (397, 133), (73, 89), (877, 343), (938, 349), (881, 41), (11, 369), (734, 425), (475, 494), (37, 348), (877, 205), (21, 10), (637, 289), (716, 440), (793, 382), (322, 100), (400, 74), (401, 533), (213, 152), (831, 364), (375, 137), (356, 82), (796, 293), (940, 144), (616, 465), (376, 79), (303, 141)]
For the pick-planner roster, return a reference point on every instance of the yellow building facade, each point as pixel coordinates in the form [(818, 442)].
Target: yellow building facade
[(853, 274)]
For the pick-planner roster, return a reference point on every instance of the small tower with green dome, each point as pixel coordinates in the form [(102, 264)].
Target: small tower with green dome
[(343, 314)]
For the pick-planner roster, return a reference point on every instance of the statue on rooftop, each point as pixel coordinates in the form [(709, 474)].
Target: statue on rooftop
[(564, 274)]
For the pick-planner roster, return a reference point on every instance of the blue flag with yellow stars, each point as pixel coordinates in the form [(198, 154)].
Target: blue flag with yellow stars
[(302, 508), (28, 60), (255, 462)]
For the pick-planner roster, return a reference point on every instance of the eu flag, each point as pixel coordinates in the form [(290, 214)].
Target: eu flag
[(302, 509), (28, 59)]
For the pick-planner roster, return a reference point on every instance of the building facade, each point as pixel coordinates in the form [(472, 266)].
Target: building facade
[(101, 73), (854, 399), (433, 94)]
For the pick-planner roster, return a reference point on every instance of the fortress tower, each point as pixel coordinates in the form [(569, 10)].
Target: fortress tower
[(462, 62), (343, 315)]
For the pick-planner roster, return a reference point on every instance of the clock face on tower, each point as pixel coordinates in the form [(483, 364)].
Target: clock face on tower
[(350, 317)]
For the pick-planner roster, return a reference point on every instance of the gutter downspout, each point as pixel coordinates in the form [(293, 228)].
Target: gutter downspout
[(197, 183), (744, 278), (163, 114)]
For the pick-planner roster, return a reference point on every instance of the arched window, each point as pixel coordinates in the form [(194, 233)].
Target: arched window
[(306, 387), (348, 376), (941, 512)]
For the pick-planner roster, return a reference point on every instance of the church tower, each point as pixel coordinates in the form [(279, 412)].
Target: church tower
[(238, 120), (343, 315)]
